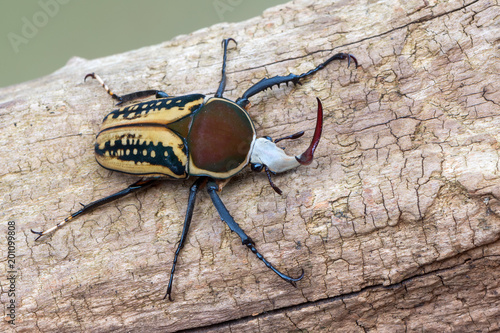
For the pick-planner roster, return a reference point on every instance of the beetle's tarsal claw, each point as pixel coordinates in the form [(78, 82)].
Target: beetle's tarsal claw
[(306, 157), (92, 75), (39, 233), (232, 40), (349, 57), (227, 40), (294, 280), (169, 296)]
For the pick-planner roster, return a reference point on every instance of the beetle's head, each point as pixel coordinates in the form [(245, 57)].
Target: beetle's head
[(266, 155)]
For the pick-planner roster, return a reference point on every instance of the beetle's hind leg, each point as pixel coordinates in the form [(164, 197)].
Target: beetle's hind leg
[(94, 204), (129, 97), (226, 217)]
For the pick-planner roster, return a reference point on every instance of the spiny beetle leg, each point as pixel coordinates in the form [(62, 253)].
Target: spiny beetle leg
[(187, 222), (129, 97), (277, 80), (226, 217), (94, 204), (222, 84)]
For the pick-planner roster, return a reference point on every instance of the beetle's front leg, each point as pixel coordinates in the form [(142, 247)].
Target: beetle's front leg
[(129, 97), (277, 80), (212, 188)]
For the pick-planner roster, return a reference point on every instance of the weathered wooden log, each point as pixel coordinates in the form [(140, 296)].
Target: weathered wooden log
[(396, 222)]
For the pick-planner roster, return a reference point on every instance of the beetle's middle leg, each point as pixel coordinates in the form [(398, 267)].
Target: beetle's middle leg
[(212, 188), (129, 97), (187, 222), (94, 204)]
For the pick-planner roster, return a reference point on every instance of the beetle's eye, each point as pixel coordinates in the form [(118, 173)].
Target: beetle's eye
[(268, 138), (257, 167)]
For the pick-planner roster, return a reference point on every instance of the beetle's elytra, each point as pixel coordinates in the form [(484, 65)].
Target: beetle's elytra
[(192, 135)]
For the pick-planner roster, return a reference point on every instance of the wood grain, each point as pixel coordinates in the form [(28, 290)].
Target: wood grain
[(395, 222)]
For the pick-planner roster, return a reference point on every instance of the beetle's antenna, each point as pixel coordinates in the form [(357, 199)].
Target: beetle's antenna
[(275, 188), (290, 137), (306, 157)]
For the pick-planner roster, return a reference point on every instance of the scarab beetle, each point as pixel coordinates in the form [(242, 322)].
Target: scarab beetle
[(192, 135)]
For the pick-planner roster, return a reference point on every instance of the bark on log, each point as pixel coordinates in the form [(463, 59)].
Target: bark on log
[(396, 223)]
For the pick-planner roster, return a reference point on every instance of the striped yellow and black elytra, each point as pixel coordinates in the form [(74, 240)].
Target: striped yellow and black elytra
[(192, 135), (177, 137), (137, 139)]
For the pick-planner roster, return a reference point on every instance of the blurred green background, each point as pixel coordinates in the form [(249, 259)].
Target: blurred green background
[(40, 36)]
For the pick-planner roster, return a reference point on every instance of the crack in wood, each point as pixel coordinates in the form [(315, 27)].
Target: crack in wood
[(324, 301)]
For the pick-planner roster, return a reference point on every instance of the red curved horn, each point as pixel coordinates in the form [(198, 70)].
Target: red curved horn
[(306, 157)]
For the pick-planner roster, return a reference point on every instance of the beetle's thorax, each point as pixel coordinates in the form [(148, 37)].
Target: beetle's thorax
[(220, 139)]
